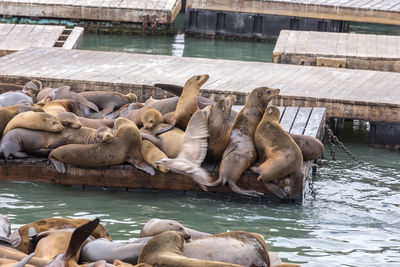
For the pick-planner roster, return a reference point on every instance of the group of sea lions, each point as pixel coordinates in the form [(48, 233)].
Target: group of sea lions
[(101, 128), (163, 243)]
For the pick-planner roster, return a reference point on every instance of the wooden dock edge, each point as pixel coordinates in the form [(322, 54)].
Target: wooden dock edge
[(74, 39)]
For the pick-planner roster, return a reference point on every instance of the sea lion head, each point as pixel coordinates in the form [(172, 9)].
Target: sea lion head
[(53, 124), (69, 119), (151, 118), (262, 95), (32, 88), (157, 226), (197, 80), (272, 113), (122, 121), (132, 98), (104, 135), (223, 107)]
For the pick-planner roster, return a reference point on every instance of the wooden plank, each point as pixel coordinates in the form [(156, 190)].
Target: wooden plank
[(315, 121), (74, 39), (301, 120), (288, 118)]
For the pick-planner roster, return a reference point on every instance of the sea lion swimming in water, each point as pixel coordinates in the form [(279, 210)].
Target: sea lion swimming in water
[(241, 152)]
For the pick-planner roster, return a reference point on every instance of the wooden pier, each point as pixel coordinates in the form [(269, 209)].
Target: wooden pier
[(345, 93), (95, 13), (304, 121), (340, 50), (14, 37)]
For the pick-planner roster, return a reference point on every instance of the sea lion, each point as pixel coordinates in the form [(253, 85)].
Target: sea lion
[(21, 235), (188, 102), (15, 255), (12, 98), (151, 154), (310, 147), (238, 247), (54, 107), (279, 154), (44, 92), (151, 118), (15, 263), (125, 147), (108, 101), (125, 109), (20, 143), (166, 250), (163, 105), (35, 121), (240, 153), (51, 243), (193, 151), (7, 113), (103, 249), (219, 126), (156, 226), (64, 92), (32, 88), (136, 115), (69, 119), (96, 123)]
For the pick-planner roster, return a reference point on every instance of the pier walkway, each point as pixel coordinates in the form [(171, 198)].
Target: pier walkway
[(344, 50), (345, 93)]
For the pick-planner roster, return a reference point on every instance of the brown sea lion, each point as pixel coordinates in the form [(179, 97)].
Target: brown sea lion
[(52, 243), (125, 147), (44, 92), (15, 263), (96, 123), (54, 107), (193, 151), (136, 115), (157, 226), (35, 121), (151, 154), (108, 101), (279, 154), (151, 118), (64, 92), (16, 255), (69, 119), (7, 113), (125, 109), (238, 247), (166, 250), (188, 102), (310, 147), (21, 236), (241, 152), (219, 127)]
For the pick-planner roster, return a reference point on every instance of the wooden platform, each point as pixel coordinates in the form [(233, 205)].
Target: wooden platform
[(370, 11), (306, 121), (132, 11), (340, 50), (352, 94), (14, 37)]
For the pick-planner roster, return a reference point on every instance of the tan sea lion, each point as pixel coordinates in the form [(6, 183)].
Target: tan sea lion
[(69, 119), (151, 154), (16, 255), (15, 263), (279, 154), (7, 113), (166, 250), (96, 123), (108, 101), (21, 236), (44, 92), (188, 102), (219, 127), (238, 247), (151, 118), (157, 226), (52, 243), (240, 153), (125, 147), (125, 109), (35, 121), (310, 147), (54, 107), (136, 115)]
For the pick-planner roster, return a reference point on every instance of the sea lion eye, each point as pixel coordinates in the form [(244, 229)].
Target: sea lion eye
[(151, 121), (269, 92), (197, 78)]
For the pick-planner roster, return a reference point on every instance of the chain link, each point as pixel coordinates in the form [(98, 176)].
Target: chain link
[(332, 138), (311, 187)]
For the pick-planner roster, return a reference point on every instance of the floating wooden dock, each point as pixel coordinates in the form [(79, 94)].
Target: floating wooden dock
[(113, 11), (14, 37), (345, 93), (304, 121), (340, 50)]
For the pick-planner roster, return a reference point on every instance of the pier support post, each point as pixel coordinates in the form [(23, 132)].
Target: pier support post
[(385, 135)]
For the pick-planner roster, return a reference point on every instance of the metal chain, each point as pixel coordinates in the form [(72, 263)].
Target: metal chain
[(331, 137), (311, 187)]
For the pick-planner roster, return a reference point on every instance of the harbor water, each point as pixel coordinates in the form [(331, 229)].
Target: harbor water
[(354, 219)]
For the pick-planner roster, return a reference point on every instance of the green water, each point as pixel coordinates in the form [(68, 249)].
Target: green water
[(354, 220)]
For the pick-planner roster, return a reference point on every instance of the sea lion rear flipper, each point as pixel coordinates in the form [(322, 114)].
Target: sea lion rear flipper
[(241, 191), (60, 166), (107, 110), (172, 88), (165, 129), (24, 261), (155, 140), (276, 190)]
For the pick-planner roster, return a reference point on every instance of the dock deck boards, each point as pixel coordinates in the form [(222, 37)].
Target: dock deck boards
[(98, 10), (15, 37), (346, 93), (380, 11), (307, 121), (355, 51)]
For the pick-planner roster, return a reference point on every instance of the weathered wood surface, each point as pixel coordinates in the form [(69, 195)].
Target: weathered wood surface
[(127, 176), (15, 37), (346, 93), (376, 11), (165, 11), (343, 50)]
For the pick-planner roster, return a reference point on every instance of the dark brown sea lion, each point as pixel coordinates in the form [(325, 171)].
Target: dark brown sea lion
[(166, 250), (310, 147), (241, 152), (187, 103), (21, 235), (108, 101), (238, 247), (279, 154), (125, 147), (35, 121), (219, 127)]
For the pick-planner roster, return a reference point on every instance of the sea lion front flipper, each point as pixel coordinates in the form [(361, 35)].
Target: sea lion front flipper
[(142, 165), (172, 88), (165, 129), (24, 261), (60, 166), (276, 190), (241, 191), (107, 110), (155, 140)]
